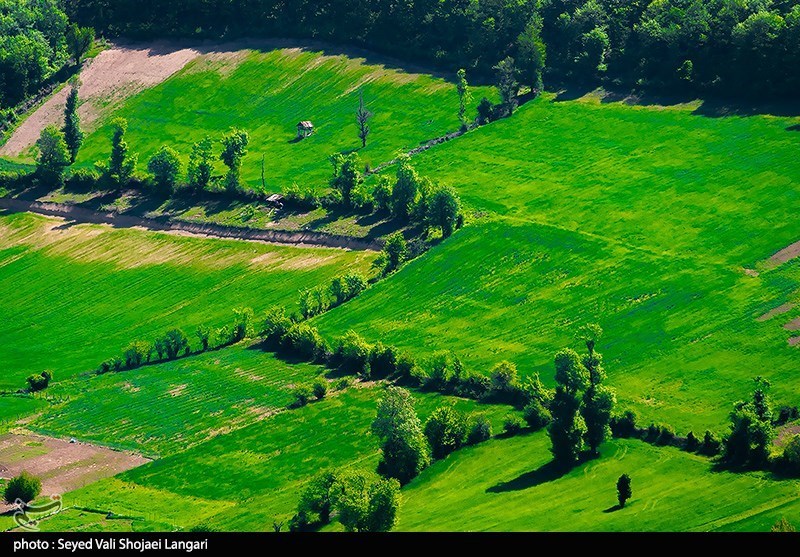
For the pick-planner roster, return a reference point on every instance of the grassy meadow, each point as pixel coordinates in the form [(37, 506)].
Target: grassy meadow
[(77, 294), (267, 92)]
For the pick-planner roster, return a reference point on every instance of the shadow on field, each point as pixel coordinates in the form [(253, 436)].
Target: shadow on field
[(613, 509), (795, 128), (546, 473)]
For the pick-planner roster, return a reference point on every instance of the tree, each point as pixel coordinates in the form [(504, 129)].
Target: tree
[(234, 148), (353, 353), (532, 54), (536, 415), (444, 207), (598, 404), (174, 342), (79, 40), (446, 430), (137, 353), (120, 165), (384, 504), (347, 286), (24, 488), (165, 166), (200, 167), (397, 427), (405, 193), (504, 377), (751, 432), (567, 429), (203, 333), (351, 499), (382, 194), (480, 429), (505, 71), (362, 119), (73, 136), (316, 499), (347, 177), (570, 372), (464, 97), (395, 252), (242, 323), (624, 489), (52, 157), (319, 388)]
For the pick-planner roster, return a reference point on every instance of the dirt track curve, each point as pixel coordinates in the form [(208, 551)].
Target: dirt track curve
[(83, 215)]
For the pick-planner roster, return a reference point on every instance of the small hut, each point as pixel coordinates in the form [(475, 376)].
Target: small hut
[(304, 129)]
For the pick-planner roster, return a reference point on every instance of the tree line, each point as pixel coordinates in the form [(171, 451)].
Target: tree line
[(730, 47)]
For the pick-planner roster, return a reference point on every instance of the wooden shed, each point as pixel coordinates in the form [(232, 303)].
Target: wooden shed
[(304, 129)]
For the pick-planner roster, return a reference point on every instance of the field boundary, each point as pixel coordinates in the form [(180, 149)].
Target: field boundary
[(173, 226)]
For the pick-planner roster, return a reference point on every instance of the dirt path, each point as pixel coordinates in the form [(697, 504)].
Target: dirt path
[(83, 215)]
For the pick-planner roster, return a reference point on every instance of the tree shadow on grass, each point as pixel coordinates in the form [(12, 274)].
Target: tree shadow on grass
[(613, 509), (546, 473), (795, 128)]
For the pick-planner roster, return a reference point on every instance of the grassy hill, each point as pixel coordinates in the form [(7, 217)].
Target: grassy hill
[(267, 92), (76, 295)]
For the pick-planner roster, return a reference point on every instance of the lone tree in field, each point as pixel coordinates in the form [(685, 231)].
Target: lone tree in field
[(464, 96), (24, 487), (532, 54), (397, 427), (198, 173), (362, 119), (121, 165), (79, 41), (444, 206), (624, 489), (507, 84), (165, 166), (52, 158), (73, 135), (234, 148)]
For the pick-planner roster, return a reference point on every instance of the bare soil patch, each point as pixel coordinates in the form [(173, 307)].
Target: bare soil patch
[(793, 341), (793, 325), (787, 253), (783, 308), (62, 466)]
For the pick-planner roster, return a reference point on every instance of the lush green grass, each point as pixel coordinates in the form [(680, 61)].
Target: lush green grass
[(507, 485), (13, 407), (260, 468), (268, 93), (77, 295), (166, 408)]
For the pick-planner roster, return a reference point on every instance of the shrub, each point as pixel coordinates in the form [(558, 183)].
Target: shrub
[(711, 444), (353, 353), (787, 414), (692, 442), (313, 301), (24, 487), (347, 287), (440, 371), (624, 489), (504, 377), (666, 435), (316, 500), (83, 179), (624, 425), (304, 341), (474, 385), (320, 388), (382, 360), (382, 194), (165, 166), (791, 456), (405, 365), (512, 424), (783, 525), (302, 395), (137, 353), (480, 429), (536, 415), (203, 334), (276, 324), (111, 364), (173, 343), (446, 430), (39, 381), (343, 383), (242, 324)]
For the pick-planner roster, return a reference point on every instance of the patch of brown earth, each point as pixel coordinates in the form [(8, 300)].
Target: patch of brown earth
[(177, 390), (793, 325), (783, 308), (793, 341), (787, 253)]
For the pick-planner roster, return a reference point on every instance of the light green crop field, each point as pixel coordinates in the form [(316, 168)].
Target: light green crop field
[(166, 408), (512, 488), (245, 479), (76, 295), (267, 93)]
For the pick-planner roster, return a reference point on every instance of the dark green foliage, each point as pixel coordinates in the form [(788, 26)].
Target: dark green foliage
[(751, 434), (504, 377), (313, 301), (624, 489), (203, 334), (347, 287), (200, 168), (440, 372), (486, 112), (692, 442), (444, 206), (73, 136), (382, 194), (24, 487), (536, 415), (353, 353), (234, 148), (624, 425), (121, 164), (316, 499), (382, 361), (242, 324), (302, 395), (711, 445), (464, 96), (320, 388), (480, 429), (384, 504), (567, 430), (405, 451), (506, 72), (276, 324), (395, 252), (570, 372), (786, 414), (82, 179), (39, 381), (347, 178), (598, 402), (531, 54), (512, 424), (165, 166), (446, 431), (791, 456), (137, 353), (405, 192), (52, 157), (304, 341), (79, 40), (172, 344)]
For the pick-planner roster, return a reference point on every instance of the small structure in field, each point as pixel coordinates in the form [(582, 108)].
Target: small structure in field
[(275, 200), (304, 129)]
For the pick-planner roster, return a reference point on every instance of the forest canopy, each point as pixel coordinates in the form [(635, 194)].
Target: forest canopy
[(728, 47)]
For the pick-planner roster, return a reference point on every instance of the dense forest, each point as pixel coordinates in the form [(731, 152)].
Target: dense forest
[(731, 48)]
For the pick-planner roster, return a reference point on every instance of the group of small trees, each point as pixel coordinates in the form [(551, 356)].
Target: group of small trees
[(313, 301), (58, 148), (357, 500)]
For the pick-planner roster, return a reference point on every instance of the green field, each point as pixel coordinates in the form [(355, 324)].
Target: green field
[(76, 295), (267, 93), (512, 488)]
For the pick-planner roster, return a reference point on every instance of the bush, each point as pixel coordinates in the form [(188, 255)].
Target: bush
[(440, 371), (353, 353), (39, 381), (624, 425), (276, 324), (406, 366), (536, 415), (111, 364), (320, 388), (666, 435), (473, 385), (137, 353), (306, 200), (711, 445), (504, 377), (343, 383), (165, 167), (304, 341), (347, 287), (302, 395), (692, 442), (83, 179), (480, 429), (446, 431), (787, 414), (791, 456), (242, 324), (172, 344), (512, 424), (382, 360), (24, 487)]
